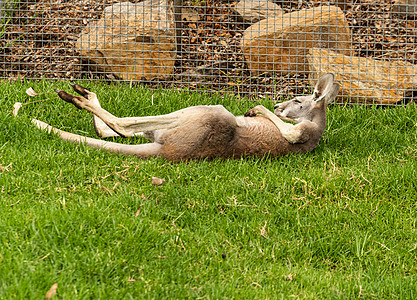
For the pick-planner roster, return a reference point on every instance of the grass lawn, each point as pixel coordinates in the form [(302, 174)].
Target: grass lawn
[(339, 222)]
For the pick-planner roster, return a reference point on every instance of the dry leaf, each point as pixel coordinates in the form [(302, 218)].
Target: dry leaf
[(31, 92), (52, 292), (157, 181), (289, 277), (138, 212), (263, 230), (16, 106)]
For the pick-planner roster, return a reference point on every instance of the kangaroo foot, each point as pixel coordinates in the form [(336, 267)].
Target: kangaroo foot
[(79, 102), (80, 90), (251, 113)]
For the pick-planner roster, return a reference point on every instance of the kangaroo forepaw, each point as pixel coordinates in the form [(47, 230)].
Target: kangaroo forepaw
[(250, 113), (80, 90), (76, 100)]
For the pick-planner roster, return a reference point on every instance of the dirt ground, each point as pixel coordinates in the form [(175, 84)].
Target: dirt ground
[(38, 42)]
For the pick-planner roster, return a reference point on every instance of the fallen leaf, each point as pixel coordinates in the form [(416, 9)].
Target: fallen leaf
[(16, 106), (256, 284), (52, 292), (31, 92), (157, 181), (115, 185), (138, 212), (289, 277), (263, 230)]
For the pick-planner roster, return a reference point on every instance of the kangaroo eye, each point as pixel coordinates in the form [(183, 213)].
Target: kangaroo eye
[(297, 101)]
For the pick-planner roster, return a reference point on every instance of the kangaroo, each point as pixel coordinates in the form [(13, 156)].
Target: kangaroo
[(200, 132)]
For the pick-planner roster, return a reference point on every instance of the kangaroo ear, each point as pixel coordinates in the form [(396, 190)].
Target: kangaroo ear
[(333, 93), (324, 88)]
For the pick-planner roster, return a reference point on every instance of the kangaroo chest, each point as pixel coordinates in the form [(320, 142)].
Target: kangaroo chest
[(259, 136)]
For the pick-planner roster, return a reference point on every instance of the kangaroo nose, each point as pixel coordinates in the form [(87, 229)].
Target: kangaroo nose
[(276, 106)]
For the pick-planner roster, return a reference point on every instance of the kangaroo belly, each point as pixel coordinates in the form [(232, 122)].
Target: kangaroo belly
[(259, 136), (213, 136), (209, 135)]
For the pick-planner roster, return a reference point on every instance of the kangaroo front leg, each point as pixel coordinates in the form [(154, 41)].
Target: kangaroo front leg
[(125, 127), (260, 109), (292, 133)]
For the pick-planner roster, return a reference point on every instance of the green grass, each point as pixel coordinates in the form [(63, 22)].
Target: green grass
[(339, 222), (7, 8)]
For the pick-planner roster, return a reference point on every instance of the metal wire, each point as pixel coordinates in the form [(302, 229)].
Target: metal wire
[(252, 48)]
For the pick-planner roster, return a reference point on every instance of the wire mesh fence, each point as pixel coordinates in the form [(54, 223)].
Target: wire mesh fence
[(251, 48)]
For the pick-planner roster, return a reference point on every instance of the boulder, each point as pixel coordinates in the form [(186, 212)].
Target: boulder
[(253, 11), (280, 44), (365, 80), (132, 41)]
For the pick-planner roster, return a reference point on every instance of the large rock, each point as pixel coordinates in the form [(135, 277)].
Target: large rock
[(253, 11), (280, 44), (365, 80), (132, 41)]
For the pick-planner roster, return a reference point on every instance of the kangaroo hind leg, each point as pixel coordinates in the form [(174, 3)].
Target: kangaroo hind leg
[(125, 127), (100, 127)]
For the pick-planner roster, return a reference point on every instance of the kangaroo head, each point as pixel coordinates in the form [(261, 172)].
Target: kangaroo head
[(309, 107)]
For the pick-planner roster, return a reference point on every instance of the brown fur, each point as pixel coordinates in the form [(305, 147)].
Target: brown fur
[(211, 131)]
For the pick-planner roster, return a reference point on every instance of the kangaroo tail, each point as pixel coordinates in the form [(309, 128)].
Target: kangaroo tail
[(141, 150)]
